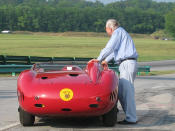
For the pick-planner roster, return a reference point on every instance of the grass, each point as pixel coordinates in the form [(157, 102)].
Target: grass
[(40, 45), (79, 45), (162, 72), (151, 50), (155, 73)]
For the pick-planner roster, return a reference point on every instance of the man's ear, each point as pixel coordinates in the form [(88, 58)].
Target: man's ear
[(111, 31)]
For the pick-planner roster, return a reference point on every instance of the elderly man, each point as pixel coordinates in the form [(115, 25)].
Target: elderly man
[(121, 48)]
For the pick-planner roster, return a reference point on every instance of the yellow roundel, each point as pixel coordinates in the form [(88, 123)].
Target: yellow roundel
[(66, 94)]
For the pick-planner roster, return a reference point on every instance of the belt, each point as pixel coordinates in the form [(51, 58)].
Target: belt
[(126, 59)]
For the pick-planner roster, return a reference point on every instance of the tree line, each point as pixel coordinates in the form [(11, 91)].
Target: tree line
[(137, 16)]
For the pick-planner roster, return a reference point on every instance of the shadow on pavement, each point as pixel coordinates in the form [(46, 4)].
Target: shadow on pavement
[(147, 119), (92, 122)]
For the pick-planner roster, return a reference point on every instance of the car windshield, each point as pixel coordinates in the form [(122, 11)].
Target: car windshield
[(48, 67)]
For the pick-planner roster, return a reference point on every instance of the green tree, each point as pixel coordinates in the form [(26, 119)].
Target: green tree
[(169, 22), (137, 16)]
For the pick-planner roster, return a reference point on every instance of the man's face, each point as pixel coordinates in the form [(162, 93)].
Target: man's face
[(109, 31)]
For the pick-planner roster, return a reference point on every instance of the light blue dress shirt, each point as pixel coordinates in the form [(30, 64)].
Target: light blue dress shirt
[(119, 47)]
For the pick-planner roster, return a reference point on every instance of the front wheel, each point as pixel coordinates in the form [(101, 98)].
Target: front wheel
[(110, 118), (26, 119)]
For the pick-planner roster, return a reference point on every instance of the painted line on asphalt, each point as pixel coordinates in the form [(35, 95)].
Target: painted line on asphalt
[(155, 87), (9, 126)]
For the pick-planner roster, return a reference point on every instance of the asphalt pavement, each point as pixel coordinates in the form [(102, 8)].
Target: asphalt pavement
[(159, 65), (155, 100)]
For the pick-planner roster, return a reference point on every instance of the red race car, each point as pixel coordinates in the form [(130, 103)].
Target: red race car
[(67, 91)]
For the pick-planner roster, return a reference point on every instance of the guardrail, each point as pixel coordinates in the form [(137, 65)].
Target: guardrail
[(16, 64), (145, 69), (30, 60), (13, 68)]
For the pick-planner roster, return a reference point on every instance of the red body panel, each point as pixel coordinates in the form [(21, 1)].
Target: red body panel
[(94, 91)]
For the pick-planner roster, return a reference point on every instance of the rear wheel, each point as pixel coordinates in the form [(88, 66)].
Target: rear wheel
[(110, 118), (26, 119)]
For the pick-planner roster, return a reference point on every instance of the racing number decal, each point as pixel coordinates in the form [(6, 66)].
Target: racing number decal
[(66, 94)]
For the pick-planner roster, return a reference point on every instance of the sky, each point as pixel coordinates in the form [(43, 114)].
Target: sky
[(109, 1)]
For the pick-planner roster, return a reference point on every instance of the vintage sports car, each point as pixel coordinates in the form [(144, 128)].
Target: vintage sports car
[(67, 91)]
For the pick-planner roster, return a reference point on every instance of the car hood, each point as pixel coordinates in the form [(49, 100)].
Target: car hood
[(63, 77)]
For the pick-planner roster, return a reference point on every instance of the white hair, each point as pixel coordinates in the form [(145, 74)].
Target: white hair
[(112, 23)]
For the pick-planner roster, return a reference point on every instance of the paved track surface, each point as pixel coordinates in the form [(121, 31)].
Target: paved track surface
[(155, 99), (160, 65)]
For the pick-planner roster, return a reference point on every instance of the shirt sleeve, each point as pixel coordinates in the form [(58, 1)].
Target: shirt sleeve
[(112, 44), (109, 57)]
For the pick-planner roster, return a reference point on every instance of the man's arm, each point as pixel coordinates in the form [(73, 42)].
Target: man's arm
[(109, 57), (112, 44)]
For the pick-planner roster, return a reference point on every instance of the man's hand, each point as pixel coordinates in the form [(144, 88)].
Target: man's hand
[(93, 60), (104, 63)]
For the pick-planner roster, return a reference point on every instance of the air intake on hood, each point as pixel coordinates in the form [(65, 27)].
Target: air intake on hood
[(44, 78), (74, 75)]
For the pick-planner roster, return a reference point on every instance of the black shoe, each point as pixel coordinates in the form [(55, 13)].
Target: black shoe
[(124, 122)]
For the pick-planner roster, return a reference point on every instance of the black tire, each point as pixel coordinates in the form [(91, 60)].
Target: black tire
[(110, 118), (25, 118)]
